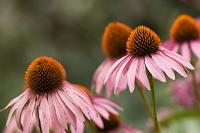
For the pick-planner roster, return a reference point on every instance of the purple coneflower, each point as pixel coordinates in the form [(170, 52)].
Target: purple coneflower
[(144, 51), (114, 46), (185, 37), (49, 102)]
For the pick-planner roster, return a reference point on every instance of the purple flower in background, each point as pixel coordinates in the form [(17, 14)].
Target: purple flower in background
[(183, 93), (184, 37), (114, 46)]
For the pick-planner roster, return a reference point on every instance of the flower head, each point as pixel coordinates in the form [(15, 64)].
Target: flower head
[(144, 51), (114, 41), (44, 74), (184, 36), (185, 28), (49, 102), (142, 41)]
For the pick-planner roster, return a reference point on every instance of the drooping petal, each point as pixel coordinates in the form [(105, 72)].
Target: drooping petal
[(113, 67), (173, 64), (141, 74), (131, 74), (101, 73), (44, 115), (71, 106), (109, 108), (19, 112), (185, 51), (120, 72), (103, 100), (70, 117), (103, 112), (161, 63), (28, 119), (154, 69), (59, 111), (55, 124), (178, 58), (195, 46)]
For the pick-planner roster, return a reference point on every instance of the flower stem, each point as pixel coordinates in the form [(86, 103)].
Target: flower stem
[(145, 101), (195, 88), (156, 124)]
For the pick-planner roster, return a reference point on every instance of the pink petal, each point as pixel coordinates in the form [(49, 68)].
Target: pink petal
[(103, 112), (154, 69), (19, 112), (120, 72), (195, 46), (113, 67), (185, 51), (28, 117), (77, 92), (168, 71), (44, 115), (178, 58), (176, 48), (109, 108), (70, 117), (109, 102), (173, 64), (79, 129), (131, 74), (71, 106), (56, 126), (141, 74), (62, 118), (101, 74)]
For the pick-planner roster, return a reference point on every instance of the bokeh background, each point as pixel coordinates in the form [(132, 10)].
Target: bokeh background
[(71, 31)]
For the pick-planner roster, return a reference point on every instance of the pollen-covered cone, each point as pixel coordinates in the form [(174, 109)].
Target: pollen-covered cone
[(144, 53), (49, 102), (114, 46), (184, 37)]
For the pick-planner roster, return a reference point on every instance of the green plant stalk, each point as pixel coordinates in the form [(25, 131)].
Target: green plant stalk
[(145, 102), (195, 89), (156, 124)]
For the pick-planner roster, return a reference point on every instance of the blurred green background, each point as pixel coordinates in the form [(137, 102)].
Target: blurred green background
[(70, 31)]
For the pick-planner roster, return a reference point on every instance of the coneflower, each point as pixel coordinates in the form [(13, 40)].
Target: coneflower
[(144, 52), (114, 46), (48, 101), (184, 37)]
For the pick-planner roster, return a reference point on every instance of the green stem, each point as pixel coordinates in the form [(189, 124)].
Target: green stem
[(179, 115), (156, 124), (145, 101), (195, 89)]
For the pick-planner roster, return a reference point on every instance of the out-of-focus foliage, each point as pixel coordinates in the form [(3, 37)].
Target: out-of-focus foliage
[(70, 31)]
